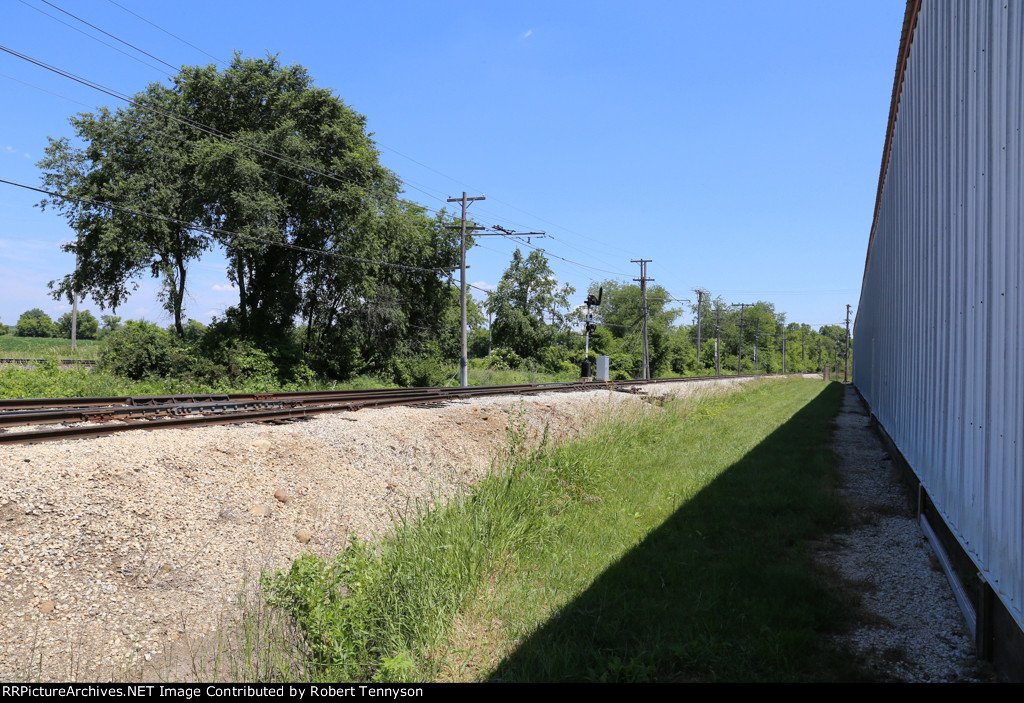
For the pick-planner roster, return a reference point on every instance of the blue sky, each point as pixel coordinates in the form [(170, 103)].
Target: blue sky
[(737, 145)]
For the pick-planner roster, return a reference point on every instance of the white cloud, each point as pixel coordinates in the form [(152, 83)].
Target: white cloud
[(528, 33), (221, 288), (484, 285), (12, 150)]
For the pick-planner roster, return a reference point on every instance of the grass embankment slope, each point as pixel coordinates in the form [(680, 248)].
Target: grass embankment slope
[(670, 546)]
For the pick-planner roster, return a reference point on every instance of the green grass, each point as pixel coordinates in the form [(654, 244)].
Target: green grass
[(479, 376), (693, 566), (669, 546), (12, 347), (49, 381)]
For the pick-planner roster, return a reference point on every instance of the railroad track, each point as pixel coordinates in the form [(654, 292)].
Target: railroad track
[(77, 418), (61, 362)]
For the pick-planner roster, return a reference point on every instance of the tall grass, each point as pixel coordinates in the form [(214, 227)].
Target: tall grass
[(12, 347), (50, 381)]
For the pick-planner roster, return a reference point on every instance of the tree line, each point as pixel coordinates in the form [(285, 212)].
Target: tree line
[(748, 340), (36, 323)]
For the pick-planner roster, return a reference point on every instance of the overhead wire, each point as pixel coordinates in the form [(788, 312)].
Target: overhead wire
[(166, 32), (217, 134), (70, 26), (189, 123), (217, 230), (115, 38)]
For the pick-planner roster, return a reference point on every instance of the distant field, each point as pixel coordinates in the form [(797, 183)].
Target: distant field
[(46, 348)]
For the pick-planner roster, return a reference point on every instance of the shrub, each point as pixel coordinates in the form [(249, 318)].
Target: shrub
[(558, 359), (140, 350), (424, 370), (504, 358)]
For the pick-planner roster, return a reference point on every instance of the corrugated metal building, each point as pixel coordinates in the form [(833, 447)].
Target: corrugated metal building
[(940, 325)]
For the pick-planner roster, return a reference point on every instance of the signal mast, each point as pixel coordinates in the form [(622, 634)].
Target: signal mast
[(589, 327)]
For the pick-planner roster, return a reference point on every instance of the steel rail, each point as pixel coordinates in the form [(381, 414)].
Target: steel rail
[(155, 400), (220, 409), (59, 362)]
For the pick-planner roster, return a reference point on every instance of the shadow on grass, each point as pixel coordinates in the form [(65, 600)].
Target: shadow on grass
[(725, 589)]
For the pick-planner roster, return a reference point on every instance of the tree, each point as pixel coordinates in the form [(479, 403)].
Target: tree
[(137, 160), (363, 316), (88, 326), (255, 159), (527, 295), (34, 323), (833, 342)]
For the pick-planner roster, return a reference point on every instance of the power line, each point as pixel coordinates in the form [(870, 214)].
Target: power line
[(188, 123), (59, 9), (217, 230), (216, 134), (268, 153), (97, 39), (264, 152), (412, 184), (574, 263), (166, 32)]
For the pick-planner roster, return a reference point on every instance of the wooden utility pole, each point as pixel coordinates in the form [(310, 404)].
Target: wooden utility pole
[(74, 289), (718, 343), (757, 344), (464, 360), (803, 350), (646, 371), (846, 372), (739, 361), (700, 304), (502, 232), (783, 347)]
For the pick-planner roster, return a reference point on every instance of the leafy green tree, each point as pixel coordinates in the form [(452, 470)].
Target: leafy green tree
[(88, 326), (140, 160), (833, 342), (108, 323), (361, 316), (802, 348), (34, 323), (529, 307), (281, 170)]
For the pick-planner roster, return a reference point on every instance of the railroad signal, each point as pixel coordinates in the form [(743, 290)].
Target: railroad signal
[(589, 327)]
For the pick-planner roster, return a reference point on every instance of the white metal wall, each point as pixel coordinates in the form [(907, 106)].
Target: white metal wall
[(940, 327)]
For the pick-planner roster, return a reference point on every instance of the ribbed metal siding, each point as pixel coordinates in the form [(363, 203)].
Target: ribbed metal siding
[(941, 313)]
